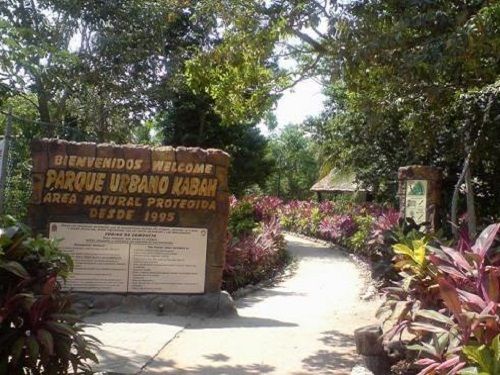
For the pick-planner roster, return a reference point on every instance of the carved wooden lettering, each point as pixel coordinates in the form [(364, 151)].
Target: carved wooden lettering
[(112, 185)]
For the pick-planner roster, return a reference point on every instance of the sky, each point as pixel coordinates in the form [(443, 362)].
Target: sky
[(302, 101)]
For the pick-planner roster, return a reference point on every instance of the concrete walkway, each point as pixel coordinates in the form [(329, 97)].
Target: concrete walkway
[(303, 325)]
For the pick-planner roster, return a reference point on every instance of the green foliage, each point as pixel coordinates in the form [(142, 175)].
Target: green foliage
[(462, 315), (256, 251), (293, 151), (485, 357), (240, 81), (242, 219), (413, 257), (359, 240), (39, 332)]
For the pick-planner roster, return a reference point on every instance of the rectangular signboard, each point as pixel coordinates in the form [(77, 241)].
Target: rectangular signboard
[(133, 259), (416, 200)]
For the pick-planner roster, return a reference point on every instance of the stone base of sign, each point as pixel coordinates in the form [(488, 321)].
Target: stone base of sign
[(209, 304), (433, 176)]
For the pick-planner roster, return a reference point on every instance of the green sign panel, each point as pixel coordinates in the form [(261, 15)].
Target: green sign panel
[(416, 200)]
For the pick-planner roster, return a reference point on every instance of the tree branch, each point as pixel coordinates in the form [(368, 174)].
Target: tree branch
[(318, 47), (302, 75)]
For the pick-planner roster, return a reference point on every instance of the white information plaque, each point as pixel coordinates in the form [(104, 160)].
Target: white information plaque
[(133, 259), (416, 200)]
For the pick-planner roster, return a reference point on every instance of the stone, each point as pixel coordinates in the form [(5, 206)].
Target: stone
[(190, 155), (37, 186), (220, 172), (218, 157), (369, 340), (378, 365), (81, 148), (226, 307), (55, 147), (108, 150), (165, 153), (360, 370), (137, 152)]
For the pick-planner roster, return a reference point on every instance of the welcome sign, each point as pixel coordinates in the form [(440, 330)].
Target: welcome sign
[(135, 219)]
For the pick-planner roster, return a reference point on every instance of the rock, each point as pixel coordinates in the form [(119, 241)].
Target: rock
[(360, 370), (369, 340), (226, 306), (371, 292), (396, 350), (378, 364)]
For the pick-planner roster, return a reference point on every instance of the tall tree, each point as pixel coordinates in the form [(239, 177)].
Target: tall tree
[(35, 56), (295, 169)]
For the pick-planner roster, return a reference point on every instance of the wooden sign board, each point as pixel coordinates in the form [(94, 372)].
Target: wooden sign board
[(135, 219)]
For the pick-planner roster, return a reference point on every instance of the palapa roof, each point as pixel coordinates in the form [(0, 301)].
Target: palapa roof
[(337, 181)]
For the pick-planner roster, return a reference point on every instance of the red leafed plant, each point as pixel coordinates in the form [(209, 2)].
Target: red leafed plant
[(39, 332), (256, 251), (469, 286)]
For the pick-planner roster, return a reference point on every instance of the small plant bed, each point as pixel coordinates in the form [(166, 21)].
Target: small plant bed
[(256, 249), (446, 302), (364, 230)]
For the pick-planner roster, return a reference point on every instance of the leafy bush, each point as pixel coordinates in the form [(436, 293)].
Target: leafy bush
[(358, 242), (337, 228), (255, 257), (485, 358), (456, 321), (241, 219), (39, 332)]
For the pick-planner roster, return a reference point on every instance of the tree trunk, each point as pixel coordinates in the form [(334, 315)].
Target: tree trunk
[(43, 108), (454, 199), (471, 211)]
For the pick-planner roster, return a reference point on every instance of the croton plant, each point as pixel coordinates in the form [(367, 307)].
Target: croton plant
[(448, 300), (40, 334)]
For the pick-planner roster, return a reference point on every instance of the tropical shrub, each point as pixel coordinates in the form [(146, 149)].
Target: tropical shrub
[(255, 257), (484, 358), (39, 332), (337, 228), (455, 321), (241, 219), (265, 207), (256, 248), (358, 242)]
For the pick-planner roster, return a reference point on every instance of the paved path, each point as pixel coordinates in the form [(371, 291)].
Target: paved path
[(303, 325)]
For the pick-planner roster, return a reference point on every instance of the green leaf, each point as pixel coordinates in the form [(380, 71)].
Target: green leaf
[(71, 318), (419, 252), (469, 371), (434, 315), (480, 355), (427, 327), (46, 340), (16, 268), (402, 249), (33, 349), (60, 328), (17, 349)]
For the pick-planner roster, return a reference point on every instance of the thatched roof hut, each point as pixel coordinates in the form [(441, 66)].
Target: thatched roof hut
[(338, 182)]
